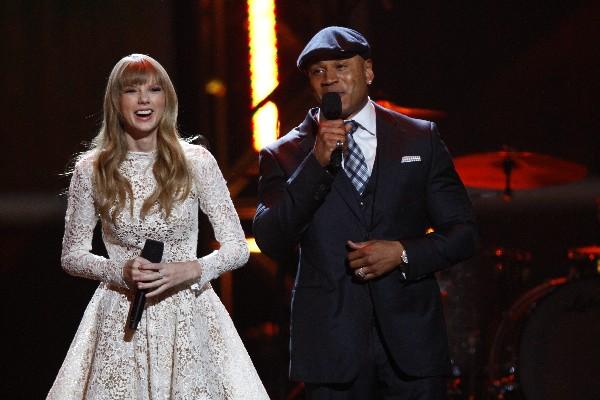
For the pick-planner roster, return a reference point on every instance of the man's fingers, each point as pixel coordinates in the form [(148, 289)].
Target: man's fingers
[(348, 127), (357, 263), (370, 276), (366, 273), (356, 245), (353, 255), (332, 124), (352, 245), (332, 141), (360, 257), (357, 259), (332, 131)]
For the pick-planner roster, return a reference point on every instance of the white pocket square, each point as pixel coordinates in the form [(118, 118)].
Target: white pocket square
[(406, 159)]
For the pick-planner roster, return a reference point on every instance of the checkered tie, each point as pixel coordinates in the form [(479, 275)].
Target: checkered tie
[(354, 163)]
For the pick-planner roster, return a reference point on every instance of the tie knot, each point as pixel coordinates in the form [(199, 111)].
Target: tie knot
[(353, 126)]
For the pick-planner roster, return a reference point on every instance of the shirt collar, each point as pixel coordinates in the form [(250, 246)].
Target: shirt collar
[(366, 117)]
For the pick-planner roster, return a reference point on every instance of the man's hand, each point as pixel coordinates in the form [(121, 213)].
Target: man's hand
[(330, 132), (374, 258)]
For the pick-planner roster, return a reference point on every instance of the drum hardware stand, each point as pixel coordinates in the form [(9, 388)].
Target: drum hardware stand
[(463, 384), (508, 165), (473, 341)]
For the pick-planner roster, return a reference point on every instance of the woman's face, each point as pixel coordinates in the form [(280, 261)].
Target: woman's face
[(142, 107)]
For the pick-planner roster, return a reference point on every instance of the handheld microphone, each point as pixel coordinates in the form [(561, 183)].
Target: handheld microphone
[(331, 106), (153, 252)]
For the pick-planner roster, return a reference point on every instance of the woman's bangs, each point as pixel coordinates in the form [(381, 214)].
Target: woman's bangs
[(139, 73)]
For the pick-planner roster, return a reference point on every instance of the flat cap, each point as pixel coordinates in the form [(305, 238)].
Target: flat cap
[(334, 43)]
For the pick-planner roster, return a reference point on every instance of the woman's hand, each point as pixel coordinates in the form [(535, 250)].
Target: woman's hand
[(132, 272), (157, 278)]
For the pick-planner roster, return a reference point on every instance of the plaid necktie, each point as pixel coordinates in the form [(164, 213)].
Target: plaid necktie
[(355, 164)]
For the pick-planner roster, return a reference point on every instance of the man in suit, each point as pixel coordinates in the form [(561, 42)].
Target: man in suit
[(367, 318)]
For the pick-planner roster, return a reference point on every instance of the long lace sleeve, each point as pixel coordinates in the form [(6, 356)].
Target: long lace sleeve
[(80, 220), (216, 203)]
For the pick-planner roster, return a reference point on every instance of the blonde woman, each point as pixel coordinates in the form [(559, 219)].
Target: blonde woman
[(143, 182)]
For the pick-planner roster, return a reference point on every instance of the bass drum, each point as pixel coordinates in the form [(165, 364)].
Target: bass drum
[(547, 346)]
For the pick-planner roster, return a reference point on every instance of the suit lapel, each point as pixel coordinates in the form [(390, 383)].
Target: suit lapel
[(349, 194), (341, 183), (388, 148), (306, 136)]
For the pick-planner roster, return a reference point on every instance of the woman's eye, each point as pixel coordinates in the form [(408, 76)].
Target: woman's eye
[(129, 90), (156, 89)]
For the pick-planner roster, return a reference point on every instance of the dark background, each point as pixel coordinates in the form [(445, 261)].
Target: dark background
[(523, 74)]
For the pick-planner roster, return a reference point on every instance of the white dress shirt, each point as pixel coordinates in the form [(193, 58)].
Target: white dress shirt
[(365, 135)]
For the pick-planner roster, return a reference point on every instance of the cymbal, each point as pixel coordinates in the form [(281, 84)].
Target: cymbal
[(591, 252), (425, 113), (586, 260), (516, 170)]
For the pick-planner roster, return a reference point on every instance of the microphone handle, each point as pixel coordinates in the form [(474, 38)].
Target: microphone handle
[(153, 252), (335, 161), (137, 308)]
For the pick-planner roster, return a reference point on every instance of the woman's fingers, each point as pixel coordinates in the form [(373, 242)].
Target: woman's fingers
[(161, 276), (158, 291), (146, 277)]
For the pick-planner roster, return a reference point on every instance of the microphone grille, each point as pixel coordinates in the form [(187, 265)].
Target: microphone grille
[(331, 105)]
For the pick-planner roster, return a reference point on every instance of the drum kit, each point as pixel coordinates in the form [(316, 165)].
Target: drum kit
[(511, 338)]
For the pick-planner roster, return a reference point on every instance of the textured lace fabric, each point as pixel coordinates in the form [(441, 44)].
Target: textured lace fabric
[(186, 346)]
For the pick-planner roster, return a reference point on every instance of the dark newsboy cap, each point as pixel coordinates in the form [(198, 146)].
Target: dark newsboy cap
[(334, 43)]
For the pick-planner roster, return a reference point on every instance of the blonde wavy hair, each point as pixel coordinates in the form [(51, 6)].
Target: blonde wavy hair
[(173, 180)]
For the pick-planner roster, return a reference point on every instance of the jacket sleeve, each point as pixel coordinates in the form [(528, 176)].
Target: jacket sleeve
[(287, 203), (454, 236)]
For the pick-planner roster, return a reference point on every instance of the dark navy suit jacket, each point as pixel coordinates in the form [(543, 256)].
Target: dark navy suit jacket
[(304, 208)]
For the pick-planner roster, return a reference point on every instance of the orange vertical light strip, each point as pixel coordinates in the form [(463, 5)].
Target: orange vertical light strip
[(263, 69), (252, 246)]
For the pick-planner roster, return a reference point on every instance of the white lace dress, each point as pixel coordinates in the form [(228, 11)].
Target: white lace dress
[(186, 346)]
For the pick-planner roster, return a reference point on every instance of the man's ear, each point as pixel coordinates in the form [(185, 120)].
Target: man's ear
[(369, 74)]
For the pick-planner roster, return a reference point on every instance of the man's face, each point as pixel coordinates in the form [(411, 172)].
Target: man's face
[(350, 78)]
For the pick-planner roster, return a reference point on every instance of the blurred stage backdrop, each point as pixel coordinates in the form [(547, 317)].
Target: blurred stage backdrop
[(513, 86)]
